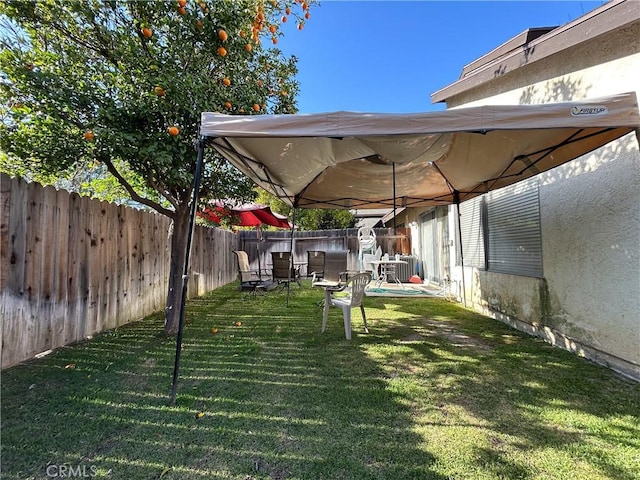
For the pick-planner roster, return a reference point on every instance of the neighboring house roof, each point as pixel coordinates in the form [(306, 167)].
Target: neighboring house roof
[(388, 218), (536, 44), (369, 217)]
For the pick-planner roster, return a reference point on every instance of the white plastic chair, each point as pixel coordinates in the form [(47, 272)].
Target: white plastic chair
[(367, 258), (356, 285), (367, 244)]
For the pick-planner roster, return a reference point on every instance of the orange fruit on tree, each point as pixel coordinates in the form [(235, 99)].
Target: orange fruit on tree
[(227, 105), (89, 136), (199, 25), (222, 35), (242, 33), (287, 11), (256, 107), (273, 28), (182, 11), (284, 19), (248, 47), (300, 26), (182, 3), (307, 15), (173, 131), (226, 81), (222, 51), (274, 40), (146, 31), (159, 91)]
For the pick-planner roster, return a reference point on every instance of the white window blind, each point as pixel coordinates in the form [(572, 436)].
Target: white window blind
[(472, 227), (513, 230)]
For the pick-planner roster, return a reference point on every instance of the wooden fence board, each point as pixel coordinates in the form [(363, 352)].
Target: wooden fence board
[(73, 328), (17, 245), (127, 307), (47, 248), (60, 291), (5, 201), (35, 341)]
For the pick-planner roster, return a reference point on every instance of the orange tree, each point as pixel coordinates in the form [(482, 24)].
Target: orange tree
[(123, 83)]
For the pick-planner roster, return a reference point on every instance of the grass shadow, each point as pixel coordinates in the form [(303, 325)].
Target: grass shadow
[(262, 394), (536, 411)]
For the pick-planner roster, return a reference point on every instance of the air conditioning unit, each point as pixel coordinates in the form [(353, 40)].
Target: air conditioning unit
[(406, 271)]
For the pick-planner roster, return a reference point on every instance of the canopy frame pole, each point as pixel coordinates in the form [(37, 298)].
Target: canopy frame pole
[(291, 262), (258, 240), (456, 199), (393, 175), (185, 271)]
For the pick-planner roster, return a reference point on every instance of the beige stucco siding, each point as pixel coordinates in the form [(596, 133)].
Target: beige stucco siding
[(589, 299), (591, 232)]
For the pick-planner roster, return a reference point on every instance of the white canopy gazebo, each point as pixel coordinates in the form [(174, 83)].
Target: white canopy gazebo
[(374, 160), (348, 160)]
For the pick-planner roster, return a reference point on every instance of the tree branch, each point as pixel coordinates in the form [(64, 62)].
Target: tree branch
[(134, 195)]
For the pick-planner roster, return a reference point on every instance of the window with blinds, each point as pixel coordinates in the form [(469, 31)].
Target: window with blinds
[(501, 231), (472, 227), (514, 240)]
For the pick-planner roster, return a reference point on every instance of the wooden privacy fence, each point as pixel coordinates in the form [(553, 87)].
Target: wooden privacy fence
[(324, 240), (71, 266)]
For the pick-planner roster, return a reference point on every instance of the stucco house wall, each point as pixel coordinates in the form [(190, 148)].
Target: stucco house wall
[(589, 298)]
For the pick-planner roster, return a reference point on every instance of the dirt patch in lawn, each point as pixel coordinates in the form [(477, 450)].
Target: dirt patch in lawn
[(450, 333)]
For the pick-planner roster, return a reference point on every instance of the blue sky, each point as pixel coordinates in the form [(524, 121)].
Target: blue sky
[(390, 56)]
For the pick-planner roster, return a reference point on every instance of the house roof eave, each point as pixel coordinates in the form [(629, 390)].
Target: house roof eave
[(508, 57)]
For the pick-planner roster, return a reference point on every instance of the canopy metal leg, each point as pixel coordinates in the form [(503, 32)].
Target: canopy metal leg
[(185, 271)]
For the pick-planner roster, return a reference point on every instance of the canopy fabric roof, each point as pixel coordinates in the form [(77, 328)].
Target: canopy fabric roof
[(371, 160)]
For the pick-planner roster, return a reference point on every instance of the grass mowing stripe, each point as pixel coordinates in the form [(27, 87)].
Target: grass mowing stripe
[(432, 392)]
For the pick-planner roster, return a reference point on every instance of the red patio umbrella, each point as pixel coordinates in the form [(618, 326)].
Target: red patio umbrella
[(247, 215)]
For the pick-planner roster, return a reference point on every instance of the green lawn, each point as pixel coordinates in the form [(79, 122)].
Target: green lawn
[(432, 392)]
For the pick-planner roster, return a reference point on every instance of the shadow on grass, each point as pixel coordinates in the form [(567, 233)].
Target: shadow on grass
[(263, 395), (545, 413), (432, 392)]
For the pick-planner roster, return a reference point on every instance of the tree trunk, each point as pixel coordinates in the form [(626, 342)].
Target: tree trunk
[(176, 270)]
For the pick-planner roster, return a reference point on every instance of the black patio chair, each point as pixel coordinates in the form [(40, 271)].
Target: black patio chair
[(315, 264), (282, 270), (252, 280)]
